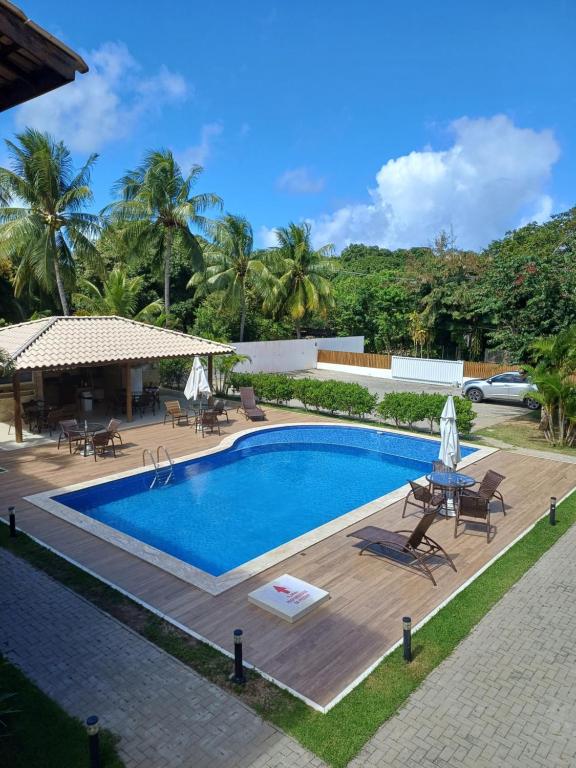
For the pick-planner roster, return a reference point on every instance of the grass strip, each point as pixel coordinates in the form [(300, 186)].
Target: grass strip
[(339, 735), (38, 733)]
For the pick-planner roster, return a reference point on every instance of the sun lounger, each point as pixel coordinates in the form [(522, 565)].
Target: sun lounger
[(419, 547), (248, 404)]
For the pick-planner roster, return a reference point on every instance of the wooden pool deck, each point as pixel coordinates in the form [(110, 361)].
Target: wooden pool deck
[(326, 652)]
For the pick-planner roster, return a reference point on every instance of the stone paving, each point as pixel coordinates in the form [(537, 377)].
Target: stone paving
[(507, 695), (165, 714), (505, 698)]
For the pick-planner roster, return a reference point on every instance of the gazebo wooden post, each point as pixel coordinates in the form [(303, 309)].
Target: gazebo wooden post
[(128, 392), (17, 407), (210, 371)]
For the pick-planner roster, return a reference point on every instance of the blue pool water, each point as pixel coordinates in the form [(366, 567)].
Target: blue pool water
[(271, 486)]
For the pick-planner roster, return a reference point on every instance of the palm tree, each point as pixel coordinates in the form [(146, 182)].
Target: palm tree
[(553, 374), (44, 228), (118, 296), (157, 203), (303, 284), (232, 265)]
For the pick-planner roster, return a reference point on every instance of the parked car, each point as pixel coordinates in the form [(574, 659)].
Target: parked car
[(505, 386)]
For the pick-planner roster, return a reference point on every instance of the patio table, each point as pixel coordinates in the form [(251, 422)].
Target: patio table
[(452, 483), (88, 428)]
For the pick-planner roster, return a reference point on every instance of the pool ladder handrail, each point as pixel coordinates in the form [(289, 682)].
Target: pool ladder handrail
[(159, 475)]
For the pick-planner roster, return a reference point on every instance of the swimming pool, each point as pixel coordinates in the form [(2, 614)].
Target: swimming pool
[(224, 511)]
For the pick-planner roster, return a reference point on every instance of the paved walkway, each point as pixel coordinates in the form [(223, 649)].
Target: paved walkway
[(507, 696), (166, 715)]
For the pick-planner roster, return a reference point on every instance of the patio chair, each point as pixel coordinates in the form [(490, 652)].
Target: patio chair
[(71, 432), (142, 401), (487, 489), (220, 409), (175, 412), (475, 508), (112, 428), (100, 442), (248, 404), (415, 544), (422, 497), (207, 421)]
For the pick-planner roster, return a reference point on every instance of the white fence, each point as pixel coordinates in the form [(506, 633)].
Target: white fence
[(423, 369), (291, 354)]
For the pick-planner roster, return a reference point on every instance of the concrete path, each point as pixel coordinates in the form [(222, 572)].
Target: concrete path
[(507, 697), (166, 715)]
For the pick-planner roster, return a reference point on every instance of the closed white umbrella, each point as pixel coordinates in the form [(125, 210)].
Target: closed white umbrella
[(197, 383), (450, 443)]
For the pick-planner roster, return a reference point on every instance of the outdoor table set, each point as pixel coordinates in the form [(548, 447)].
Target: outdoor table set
[(452, 483)]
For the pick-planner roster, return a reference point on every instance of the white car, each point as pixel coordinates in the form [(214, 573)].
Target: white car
[(513, 385)]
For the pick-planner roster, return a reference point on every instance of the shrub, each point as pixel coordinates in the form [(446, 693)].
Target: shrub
[(329, 395), (174, 372), (408, 408)]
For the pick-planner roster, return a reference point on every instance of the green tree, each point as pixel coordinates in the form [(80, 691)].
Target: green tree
[(119, 295), (158, 205), (529, 284), (44, 228), (232, 266), (303, 276)]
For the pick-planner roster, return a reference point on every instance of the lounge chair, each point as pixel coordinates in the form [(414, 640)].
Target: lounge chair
[(487, 488), (422, 497), (100, 442), (416, 544), (175, 412), (112, 428), (207, 421), (248, 404), (474, 507), (71, 432)]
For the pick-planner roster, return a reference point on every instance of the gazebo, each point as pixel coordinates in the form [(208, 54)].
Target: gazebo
[(69, 351)]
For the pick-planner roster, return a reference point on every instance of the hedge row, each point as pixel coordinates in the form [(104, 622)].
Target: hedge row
[(329, 395), (402, 408), (408, 408)]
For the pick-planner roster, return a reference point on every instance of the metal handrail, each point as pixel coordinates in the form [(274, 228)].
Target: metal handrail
[(148, 452), (170, 463)]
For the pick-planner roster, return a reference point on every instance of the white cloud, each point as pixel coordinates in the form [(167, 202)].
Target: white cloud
[(300, 181), (266, 237), (492, 177), (104, 105), (199, 153)]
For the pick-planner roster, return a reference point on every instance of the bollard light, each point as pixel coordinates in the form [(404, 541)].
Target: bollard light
[(238, 675), (553, 510), (407, 637), (12, 521), (93, 731)]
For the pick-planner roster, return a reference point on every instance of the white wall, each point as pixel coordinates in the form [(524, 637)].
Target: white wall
[(424, 369), (291, 354)]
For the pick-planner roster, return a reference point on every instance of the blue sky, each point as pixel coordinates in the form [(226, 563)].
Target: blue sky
[(376, 121)]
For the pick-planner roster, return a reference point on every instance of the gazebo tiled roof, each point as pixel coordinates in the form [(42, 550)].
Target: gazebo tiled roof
[(61, 342)]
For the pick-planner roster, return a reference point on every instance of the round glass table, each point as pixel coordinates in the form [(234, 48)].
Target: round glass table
[(452, 483)]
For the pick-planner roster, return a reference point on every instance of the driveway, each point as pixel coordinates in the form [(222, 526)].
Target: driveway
[(488, 413)]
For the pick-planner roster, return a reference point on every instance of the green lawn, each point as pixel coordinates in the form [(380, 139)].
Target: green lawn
[(522, 432), (337, 736), (40, 734)]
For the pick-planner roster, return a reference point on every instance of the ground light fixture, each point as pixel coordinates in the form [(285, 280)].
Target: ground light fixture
[(552, 510), (93, 731), (407, 638), (238, 675), (12, 521)]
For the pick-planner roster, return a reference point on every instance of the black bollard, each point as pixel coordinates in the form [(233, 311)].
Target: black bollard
[(12, 521), (407, 637), (553, 510), (93, 730), (238, 677)]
